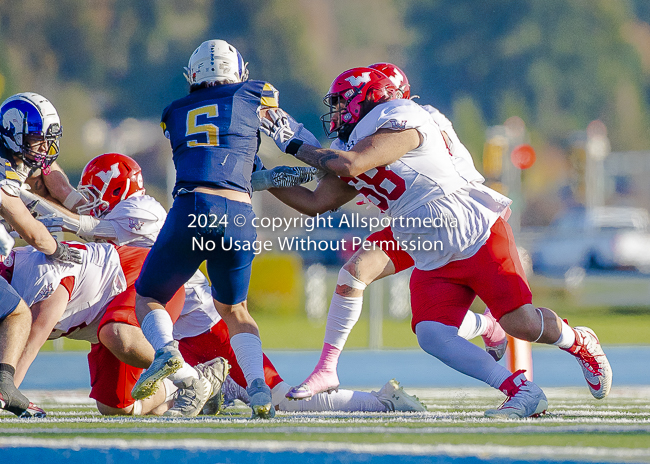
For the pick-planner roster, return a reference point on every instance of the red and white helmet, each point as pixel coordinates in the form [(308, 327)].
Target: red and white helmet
[(397, 77), (108, 179), (360, 90)]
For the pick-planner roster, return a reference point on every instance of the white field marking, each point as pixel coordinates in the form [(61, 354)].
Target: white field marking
[(356, 430), (395, 449)]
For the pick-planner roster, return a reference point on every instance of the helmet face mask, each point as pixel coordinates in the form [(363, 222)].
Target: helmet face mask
[(108, 179), (216, 62), (351, 96), (30, 129)]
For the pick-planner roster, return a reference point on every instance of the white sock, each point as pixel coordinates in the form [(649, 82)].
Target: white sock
[(472, 326), (157, 327), (567, 337), (183, 373), (342, 400), (137, 408), (248, 351), (170, 389), (344, 312)]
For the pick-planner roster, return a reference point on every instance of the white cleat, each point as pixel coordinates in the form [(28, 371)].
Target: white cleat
[(525, 399), (167, 360), (592, 360), (190, 397), (396, 399), (215, 371)]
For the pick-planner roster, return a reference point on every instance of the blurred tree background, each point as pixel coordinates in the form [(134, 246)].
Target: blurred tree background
[(111, 66)]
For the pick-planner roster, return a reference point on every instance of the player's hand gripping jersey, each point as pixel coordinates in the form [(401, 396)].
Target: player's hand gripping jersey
[(214, 134), (437, 180), (92, 285)]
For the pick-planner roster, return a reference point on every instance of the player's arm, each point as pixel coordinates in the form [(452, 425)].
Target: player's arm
[(331, 193), (85, 226), (33, 232), (56, 188), (380, 149), (45, 315)]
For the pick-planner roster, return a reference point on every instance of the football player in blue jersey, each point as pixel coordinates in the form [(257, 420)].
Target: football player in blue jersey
[(29, 130), (214, 135)]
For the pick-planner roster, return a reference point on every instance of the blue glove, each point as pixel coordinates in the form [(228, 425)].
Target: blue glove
[(52, 222), (282, 176), (287, 133)]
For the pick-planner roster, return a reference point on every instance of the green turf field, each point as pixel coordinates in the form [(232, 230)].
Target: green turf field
[(618, 427)]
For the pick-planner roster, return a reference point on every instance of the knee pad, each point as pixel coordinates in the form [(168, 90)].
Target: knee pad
[(345, 278)]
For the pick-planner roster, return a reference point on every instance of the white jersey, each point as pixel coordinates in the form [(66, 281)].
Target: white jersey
[(199, 313), (137, 220), (436, 182), (96, 281)]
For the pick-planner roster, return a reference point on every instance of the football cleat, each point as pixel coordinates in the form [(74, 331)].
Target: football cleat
[(261, 400), (396, 399), (33, 411), (167, 360), (525, 399), (233, 391), (318, 382), (592, 360), (494, 338), (11, 399), (215, 371), (190, 397)]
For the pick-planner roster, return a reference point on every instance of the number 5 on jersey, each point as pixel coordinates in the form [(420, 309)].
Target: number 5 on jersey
[(208, 131)]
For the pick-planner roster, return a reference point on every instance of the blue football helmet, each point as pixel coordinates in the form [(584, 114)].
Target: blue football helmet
[(29, 117)]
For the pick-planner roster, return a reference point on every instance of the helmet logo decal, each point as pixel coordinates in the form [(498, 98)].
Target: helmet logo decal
[(13, 119), (396, 79), (106, 176), (356, 81)]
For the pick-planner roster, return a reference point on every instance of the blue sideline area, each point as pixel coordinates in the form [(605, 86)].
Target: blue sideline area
[(176, 456), (371, 369)]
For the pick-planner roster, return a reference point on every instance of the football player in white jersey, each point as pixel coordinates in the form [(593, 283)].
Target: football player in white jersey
[(396, 155), (380, 257), (80, 301), (29, 130), (113, 184)]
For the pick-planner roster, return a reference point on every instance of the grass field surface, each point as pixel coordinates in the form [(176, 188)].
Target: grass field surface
[(577, 428)]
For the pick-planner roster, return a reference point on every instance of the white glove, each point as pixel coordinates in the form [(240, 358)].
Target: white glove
[(6, 242), (286, 131), (281, 176)]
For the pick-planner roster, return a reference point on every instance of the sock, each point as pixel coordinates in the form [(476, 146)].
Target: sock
[(442, 341), (342, 400), (248, 351), (473, 325), (567, 337), (329, 358), (497, 376), (343, 314), (4, 367), (183, 373), (170, 389), (137, 408), (157, 327)]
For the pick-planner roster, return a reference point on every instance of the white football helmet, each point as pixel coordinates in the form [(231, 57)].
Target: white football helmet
[(216, 61), (30, 114)]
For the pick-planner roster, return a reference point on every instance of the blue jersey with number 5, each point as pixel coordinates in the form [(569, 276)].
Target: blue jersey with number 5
[(214, 134)]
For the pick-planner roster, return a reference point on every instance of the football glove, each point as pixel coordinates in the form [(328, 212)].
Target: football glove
[(51, 222), (65, 254), (287, 133), (282, 176), (6, 242)]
